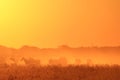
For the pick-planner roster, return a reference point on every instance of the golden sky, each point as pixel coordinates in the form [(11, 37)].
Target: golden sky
[(50, 23)]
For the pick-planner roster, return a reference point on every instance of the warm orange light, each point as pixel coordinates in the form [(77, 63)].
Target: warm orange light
[(49, 23)]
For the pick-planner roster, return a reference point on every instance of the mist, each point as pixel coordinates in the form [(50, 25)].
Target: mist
[(63, 55)]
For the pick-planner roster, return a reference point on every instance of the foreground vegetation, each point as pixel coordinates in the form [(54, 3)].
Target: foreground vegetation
[(82, 72)]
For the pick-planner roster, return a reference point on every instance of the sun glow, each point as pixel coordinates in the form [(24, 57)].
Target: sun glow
[(49, 23)]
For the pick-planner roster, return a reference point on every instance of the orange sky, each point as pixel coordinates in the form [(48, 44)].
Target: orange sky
[(49, 23)]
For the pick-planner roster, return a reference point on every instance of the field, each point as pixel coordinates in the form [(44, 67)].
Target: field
[(71, 72)]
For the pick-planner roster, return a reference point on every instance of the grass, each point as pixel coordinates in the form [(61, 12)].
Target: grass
[(82, 72)]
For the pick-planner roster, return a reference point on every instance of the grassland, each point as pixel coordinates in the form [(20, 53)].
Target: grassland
[(82, 72)]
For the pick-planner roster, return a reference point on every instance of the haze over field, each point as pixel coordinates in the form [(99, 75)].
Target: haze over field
[(62, 55), (87, 30), (49, 23)]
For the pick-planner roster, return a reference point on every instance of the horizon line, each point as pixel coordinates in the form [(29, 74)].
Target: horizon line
[(61, 46)]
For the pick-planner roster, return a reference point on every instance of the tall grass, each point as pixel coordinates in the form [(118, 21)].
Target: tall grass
[(82, 72)]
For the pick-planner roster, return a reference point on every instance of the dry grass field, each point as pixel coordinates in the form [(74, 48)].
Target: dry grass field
[(71, 72)]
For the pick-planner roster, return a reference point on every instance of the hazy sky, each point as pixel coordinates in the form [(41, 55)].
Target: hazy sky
[(50, 23)]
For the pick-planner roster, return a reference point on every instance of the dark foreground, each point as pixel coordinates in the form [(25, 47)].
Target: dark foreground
[(60, 73)]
